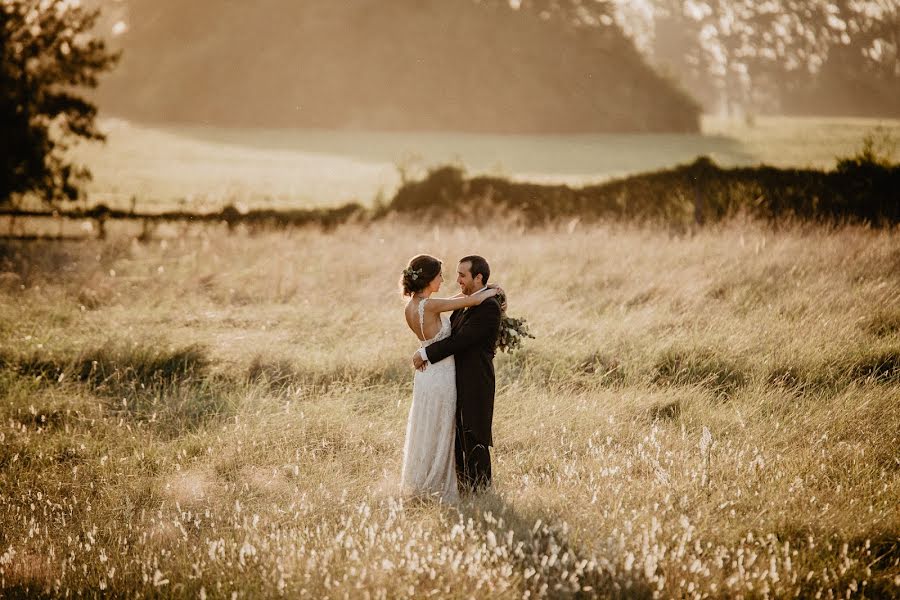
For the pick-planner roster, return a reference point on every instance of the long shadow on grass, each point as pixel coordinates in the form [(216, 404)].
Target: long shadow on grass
[(280, 374), (876, 554), (31, 591), (881, 367), (704, 368), (547, 560), (172, 388)]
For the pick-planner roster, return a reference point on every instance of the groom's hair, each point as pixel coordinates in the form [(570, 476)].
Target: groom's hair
[(479, 267)]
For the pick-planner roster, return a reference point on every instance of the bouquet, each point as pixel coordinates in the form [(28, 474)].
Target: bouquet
[(513, 331)]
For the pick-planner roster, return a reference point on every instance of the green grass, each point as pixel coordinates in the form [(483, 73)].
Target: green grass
[(225, 413)]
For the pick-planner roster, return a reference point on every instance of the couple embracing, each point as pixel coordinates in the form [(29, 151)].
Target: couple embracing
[(448, 434)]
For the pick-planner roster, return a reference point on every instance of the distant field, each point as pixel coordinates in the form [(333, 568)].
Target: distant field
[(800, 141), (204, 168)]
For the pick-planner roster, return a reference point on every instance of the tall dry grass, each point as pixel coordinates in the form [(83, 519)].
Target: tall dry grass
[(706, 415)]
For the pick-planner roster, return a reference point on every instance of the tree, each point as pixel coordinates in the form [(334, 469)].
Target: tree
[(46, 52), (797, 55)]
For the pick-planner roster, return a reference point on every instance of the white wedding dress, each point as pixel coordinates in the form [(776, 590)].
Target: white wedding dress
[(429, 468)]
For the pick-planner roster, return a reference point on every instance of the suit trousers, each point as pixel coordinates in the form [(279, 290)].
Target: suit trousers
[(473, 460)]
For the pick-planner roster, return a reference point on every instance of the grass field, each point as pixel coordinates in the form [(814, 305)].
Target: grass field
[(204, 168), (713, 415)]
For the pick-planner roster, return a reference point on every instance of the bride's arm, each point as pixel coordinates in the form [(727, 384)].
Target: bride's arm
[(461, 301)]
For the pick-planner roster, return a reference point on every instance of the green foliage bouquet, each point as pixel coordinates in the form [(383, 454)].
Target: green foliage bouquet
[(513, 331)]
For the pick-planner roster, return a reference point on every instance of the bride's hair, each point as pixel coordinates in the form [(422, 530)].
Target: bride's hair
[(419, 273)]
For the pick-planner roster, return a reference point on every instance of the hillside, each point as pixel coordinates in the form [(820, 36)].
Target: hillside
[(366, 65)]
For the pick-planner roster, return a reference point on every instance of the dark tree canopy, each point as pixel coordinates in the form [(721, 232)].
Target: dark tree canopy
[(47, 53)]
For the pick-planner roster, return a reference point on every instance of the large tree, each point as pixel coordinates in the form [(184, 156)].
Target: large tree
[(47, 52), (812, 56)]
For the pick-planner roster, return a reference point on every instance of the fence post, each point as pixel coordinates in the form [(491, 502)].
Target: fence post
[(146, 229)]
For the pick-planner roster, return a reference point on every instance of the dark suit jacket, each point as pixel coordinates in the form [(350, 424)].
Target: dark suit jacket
[(472, 345)]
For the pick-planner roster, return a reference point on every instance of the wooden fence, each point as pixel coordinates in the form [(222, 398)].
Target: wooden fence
[(94, 222)]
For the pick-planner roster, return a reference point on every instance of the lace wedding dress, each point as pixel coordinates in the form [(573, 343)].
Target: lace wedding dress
[(429, 468)]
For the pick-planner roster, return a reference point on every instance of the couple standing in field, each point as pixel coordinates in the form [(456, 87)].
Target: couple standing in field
[(448, 434)]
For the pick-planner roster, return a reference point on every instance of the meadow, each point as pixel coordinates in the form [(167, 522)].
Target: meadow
[(711, 414), (170, 167)]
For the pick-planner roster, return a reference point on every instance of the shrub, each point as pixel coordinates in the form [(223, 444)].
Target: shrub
[(698, 193)]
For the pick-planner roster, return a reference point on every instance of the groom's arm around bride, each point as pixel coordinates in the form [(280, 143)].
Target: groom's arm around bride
[(477, 333)]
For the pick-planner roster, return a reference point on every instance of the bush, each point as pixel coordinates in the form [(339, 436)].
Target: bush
[(861, 191)]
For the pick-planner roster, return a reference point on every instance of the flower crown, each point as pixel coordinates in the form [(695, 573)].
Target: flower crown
[(410, 273)]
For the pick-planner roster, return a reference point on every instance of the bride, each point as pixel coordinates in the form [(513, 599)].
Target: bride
[(428, 454)]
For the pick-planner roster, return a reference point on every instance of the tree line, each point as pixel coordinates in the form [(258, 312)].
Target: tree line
[(813, 57), (862, 189)]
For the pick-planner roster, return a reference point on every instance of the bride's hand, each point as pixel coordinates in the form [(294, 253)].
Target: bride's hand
[(501, 293), (491, 291)]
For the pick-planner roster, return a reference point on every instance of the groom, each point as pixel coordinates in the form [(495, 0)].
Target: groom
[(472, 344)]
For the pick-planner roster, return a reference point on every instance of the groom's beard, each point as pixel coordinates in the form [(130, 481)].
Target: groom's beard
[(468, 291)]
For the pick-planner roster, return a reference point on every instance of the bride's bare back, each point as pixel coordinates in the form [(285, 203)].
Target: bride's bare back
[(431, 321), (435, 306)]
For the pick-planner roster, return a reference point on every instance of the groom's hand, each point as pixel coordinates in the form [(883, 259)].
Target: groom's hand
[(418, 363)]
